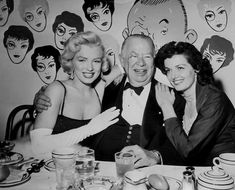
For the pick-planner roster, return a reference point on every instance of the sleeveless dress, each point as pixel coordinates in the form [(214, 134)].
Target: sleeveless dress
[(64, 123)]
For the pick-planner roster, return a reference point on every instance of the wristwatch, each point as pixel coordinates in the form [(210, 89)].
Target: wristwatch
[(157, 156)]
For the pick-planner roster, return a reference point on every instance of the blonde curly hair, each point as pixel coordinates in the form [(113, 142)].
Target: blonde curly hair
[(73, 45)]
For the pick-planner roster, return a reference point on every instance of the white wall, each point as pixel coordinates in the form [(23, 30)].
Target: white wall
[(19, 82)]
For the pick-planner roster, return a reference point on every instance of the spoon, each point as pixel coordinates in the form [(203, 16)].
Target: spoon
[(27, 161)]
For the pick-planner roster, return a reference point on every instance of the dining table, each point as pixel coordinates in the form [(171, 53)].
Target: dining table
[(45, 179)]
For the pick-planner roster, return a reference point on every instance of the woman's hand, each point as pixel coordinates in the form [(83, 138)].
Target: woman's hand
[(104, 120), (164, 96)]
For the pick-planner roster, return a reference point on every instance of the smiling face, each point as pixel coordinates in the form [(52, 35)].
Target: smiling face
[(46, 69), (4, 12), (17, 49), (137, 60), (101, 17), (87, 63), (35, 17), (62, 34), (180, 73), (163, 22), (216, 58), (216, 17)]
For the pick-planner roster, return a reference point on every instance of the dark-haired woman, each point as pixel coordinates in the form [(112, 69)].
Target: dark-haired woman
[(207, 128)]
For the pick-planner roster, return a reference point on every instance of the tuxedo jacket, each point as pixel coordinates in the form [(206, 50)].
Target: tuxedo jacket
[(150, 135)]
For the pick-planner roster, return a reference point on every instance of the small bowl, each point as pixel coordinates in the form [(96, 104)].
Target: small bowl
[(215, 179), (6, 146)]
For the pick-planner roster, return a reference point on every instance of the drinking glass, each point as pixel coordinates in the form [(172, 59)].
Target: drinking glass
[(124, 162), (64, 160), (85, 163)]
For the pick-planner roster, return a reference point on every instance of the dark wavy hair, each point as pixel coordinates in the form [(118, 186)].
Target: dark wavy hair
[(69, 19), (92, 4), (19, 32), (193, 56), (46, 52)]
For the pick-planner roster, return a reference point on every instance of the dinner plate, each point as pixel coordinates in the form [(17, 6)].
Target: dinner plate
[(16, 177), (49, 165), (12, 158), (174, 184)]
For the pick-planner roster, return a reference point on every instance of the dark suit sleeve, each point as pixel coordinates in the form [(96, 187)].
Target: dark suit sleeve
[(215, 114)]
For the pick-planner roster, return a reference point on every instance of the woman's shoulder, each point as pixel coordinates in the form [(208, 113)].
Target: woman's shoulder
[(215, 95), (56, 87)]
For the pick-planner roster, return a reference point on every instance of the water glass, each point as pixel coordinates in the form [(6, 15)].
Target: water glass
[(64, 160), (85, 163), (124, 162)]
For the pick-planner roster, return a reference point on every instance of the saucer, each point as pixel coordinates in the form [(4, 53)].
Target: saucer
[(12, 158), (49, 165), (16, 177)]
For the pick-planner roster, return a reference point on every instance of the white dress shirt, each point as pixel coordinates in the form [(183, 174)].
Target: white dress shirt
[(134, 105)]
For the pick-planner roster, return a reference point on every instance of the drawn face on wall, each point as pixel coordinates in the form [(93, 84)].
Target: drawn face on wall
[(216, 17), (4, 12), (110, 54), (101, 17), (112, 47), (62, 34), (163, 22), (17, 49), (216, 58), (46, 69), (35, 17)]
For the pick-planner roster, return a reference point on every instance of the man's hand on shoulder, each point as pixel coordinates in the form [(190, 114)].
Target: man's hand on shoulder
[(41, 101)]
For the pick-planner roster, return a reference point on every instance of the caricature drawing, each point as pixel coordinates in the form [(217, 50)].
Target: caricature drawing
[(99, 12), (111, 48), (215, 13), (6, 8), (18, 41), (162, 20), (45, 61), (219, 51), (34, 13), (65, 25)]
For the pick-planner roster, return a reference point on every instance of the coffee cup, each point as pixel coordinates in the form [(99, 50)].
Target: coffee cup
[(226, 161)]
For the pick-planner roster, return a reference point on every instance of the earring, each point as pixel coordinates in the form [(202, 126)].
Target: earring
[(71, 76)]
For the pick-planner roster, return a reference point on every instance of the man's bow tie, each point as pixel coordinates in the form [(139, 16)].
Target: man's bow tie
[(137, 90)]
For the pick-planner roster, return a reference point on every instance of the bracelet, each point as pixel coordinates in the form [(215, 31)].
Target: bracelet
[(157, 156)]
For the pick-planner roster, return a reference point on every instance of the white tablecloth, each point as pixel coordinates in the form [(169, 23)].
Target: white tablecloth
[(46, 180)]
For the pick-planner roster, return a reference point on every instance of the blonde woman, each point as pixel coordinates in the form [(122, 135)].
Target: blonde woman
[(75, 108)]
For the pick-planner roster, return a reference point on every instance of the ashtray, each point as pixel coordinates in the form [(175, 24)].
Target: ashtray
[(97, 183)]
